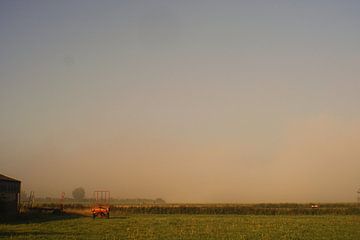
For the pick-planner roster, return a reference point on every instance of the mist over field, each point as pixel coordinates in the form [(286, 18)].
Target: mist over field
[(202, 102)]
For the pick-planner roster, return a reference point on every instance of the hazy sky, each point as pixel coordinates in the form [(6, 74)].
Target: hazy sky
[(191, 101)]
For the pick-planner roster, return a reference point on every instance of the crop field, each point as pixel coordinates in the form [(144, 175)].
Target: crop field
[(242, 209), (185, 226)]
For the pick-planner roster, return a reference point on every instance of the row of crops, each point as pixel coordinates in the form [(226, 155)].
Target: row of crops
[(242, 209)]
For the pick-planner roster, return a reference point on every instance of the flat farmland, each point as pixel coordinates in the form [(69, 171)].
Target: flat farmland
[(179, 226)]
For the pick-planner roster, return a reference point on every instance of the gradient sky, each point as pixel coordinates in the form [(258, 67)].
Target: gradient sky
[(191, 101)]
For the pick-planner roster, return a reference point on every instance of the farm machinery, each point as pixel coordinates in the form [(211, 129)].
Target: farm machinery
[(101, 207), (54, 208)]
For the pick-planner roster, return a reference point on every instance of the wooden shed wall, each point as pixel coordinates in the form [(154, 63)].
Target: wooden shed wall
[(9, 198)]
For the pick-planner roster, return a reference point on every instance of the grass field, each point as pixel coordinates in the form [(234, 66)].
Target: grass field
[(186, 227)]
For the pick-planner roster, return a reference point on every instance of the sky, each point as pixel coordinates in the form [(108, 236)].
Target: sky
[(190, 101)]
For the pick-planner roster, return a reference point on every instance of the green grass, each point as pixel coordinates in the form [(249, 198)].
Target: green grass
[(187, 227)]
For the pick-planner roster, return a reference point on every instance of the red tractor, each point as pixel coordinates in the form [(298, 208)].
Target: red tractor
[(101, 208)]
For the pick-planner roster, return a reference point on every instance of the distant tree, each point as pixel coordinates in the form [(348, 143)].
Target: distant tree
[(78, 193), (159, 201)]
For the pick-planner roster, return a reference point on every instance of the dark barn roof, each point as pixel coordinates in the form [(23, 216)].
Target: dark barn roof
[(5, 178)]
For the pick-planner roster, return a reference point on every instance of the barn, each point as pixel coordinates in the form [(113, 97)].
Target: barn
[(9, 196)]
